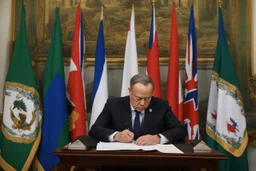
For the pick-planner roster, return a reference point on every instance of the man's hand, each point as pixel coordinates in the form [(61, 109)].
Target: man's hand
[(148, 140), (125, 136)]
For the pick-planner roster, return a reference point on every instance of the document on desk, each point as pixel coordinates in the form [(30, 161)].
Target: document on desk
[(114, 146)]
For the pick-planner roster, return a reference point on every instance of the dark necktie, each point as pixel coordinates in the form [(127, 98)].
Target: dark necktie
[(136, 129)]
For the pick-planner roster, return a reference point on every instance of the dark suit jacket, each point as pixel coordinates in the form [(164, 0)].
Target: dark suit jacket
[(158, 119)]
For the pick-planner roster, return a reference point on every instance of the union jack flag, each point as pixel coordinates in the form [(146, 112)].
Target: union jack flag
[(191, 92)]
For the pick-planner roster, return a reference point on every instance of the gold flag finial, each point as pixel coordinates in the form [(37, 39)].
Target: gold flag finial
[(219, 1), (25, 3), (153, 2), (101, 14), (57, 3)]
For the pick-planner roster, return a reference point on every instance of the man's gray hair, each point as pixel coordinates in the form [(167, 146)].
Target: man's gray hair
[(143, 79)]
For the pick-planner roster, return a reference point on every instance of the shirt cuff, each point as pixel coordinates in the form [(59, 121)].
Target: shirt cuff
[(111, 137), (163, 139)]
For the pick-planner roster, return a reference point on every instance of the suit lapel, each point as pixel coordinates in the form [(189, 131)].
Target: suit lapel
[(149, 116), (126, 110)]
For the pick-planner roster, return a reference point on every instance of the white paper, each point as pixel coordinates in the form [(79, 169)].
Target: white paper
[(113, 146)]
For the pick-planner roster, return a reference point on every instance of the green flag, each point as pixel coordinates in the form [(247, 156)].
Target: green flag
[(226, 122), (55, 122), (21, 126)]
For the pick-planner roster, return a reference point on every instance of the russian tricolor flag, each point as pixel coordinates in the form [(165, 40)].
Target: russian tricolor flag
[(153, 69), (100, 86), (191, 92)]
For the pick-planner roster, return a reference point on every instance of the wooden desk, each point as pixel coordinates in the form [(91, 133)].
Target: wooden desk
[(93, 159)]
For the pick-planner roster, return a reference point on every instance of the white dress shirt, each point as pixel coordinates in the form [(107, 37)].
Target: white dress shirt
[(163, 139)]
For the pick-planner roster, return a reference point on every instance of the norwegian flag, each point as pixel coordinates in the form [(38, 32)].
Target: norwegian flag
[(191, 92)]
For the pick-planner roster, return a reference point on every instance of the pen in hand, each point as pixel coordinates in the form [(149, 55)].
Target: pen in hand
[(130, 134), (132, 141)]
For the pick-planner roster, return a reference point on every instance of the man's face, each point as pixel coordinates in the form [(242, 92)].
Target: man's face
[(140, 96)]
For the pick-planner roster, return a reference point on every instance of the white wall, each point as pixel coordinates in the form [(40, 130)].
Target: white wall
[(5, 43)]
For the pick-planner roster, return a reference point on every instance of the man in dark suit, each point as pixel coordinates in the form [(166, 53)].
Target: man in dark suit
[(147, 120)]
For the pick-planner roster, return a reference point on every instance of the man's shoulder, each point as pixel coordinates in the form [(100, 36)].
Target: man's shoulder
[(116, 100), (159, 100), (155, 101)]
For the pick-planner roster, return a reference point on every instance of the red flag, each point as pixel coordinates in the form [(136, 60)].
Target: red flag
[(173, 89), (153, 69), (75, 81)]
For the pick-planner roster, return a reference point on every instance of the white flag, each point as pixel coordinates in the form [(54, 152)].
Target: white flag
[(130, 59)]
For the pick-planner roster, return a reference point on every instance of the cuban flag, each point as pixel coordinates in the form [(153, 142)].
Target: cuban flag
[(153, 69), (191, 91), (100, 86), (76, 89)]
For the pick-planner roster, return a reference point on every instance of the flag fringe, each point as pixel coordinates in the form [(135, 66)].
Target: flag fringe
[(236, 152)]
